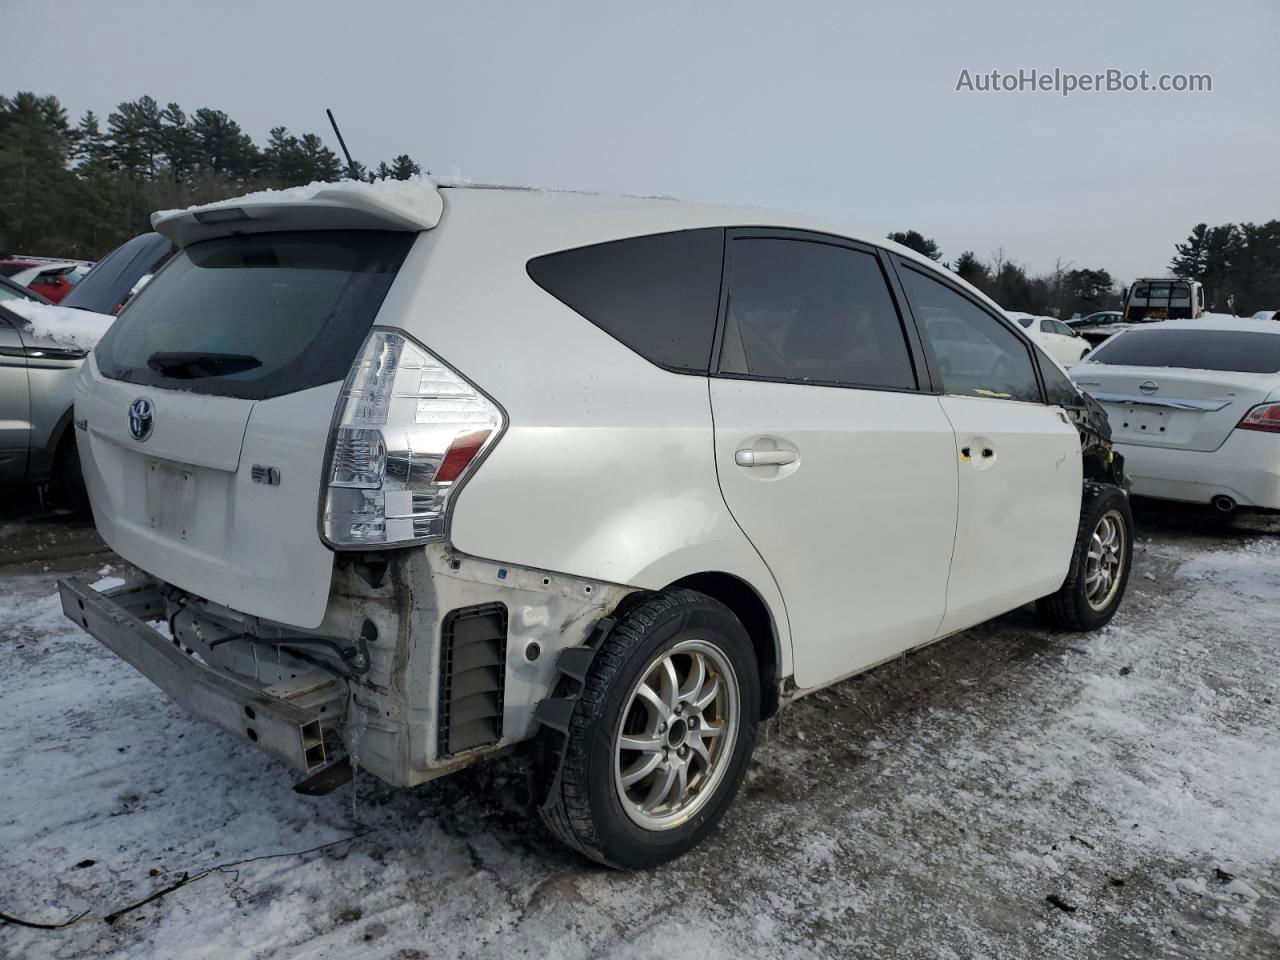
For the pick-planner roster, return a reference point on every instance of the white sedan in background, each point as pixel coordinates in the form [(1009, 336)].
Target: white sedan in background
[(1194, 408), (1054, 337)]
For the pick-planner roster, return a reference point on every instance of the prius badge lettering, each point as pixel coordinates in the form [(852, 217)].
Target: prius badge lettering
[(142, 419)]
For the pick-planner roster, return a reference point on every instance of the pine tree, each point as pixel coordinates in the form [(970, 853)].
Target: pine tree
[(918, 242), (1190, 259), (35, 184), (280, 158), (134, 129), (972, 270), (178, 142), (89, 147), (403, 168), (1258, 267), (224, 148), (321, 163)]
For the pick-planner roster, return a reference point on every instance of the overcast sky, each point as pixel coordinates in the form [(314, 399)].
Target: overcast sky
[(840, 109)]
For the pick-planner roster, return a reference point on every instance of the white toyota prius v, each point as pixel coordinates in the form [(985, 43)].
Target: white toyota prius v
[(435, 473)]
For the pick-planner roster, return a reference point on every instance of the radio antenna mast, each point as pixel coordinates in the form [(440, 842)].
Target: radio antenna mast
[(351, 164)]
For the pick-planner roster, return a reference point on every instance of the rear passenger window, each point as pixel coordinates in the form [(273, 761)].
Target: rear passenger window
[(977, 354), (812, 312), (657, 294)]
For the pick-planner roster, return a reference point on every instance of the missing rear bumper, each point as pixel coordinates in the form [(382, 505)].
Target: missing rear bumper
[(291, 732)]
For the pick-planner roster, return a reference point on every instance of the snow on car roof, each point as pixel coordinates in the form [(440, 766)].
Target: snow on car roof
[(64, 326), (415, 197), (413, 204)]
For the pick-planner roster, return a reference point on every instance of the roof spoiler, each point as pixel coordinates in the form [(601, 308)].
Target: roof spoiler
[(411, 205)]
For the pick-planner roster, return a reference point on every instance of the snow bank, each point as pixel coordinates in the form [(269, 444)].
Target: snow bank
[(78, 329)]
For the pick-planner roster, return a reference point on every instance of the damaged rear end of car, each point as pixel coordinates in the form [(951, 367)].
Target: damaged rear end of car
[(260, 435)]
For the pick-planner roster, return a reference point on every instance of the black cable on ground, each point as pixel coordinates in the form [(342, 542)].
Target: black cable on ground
[(186, 878)]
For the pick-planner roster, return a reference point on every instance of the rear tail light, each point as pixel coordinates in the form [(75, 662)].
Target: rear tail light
[(407, 431), (1265, 418)]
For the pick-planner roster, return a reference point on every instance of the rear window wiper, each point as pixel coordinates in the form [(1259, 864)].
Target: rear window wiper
[(192, 366)]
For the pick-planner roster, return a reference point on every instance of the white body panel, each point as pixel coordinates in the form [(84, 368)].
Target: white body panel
[(1246, 468), (183, 506), (1018, 508), (1066, 350), (1193, 410), (858, 531)]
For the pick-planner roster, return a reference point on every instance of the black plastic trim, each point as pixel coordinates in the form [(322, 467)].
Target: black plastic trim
[(454, 676)]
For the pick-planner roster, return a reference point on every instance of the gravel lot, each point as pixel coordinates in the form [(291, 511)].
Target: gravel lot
[(1009, 792)]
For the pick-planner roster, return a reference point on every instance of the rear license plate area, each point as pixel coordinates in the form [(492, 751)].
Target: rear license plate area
[(1146, 422), (171, 497)]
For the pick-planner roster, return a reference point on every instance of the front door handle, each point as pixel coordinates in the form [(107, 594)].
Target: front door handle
[(765, 458)]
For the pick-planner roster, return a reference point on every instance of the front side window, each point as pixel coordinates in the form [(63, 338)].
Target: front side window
[(812, 312), (977, 354)]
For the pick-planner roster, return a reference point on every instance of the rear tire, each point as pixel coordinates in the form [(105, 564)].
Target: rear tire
[(643, 779), (67, 482), (1100, 563)]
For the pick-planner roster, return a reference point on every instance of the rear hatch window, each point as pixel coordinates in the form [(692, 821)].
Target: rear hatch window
[(1240, 351), (255, 316)]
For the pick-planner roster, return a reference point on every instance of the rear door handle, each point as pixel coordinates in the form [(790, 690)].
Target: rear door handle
[(764, 458)]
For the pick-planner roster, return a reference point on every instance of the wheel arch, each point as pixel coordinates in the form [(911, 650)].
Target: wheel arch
[(43, 457), (753, 612)]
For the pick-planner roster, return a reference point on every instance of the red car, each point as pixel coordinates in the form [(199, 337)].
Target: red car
[(53, 279)]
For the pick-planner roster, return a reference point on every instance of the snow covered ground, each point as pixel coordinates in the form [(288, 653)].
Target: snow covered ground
[(1009, 792)]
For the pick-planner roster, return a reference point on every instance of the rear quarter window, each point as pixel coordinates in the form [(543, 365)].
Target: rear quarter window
[(258, 316), (1241, 351), (657, 294)]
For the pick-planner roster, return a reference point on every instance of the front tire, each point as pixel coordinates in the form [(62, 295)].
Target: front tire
[(661, 733), (1100, 563)]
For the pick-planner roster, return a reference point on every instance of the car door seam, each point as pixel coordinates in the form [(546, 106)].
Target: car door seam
[(715, 463), (955, 530)]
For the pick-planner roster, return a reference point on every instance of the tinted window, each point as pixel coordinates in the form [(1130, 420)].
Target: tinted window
[(657, 294), (1237, 350), (977, 354), (1046, 326), (1058, 388), (255, 316), (812, 312)]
